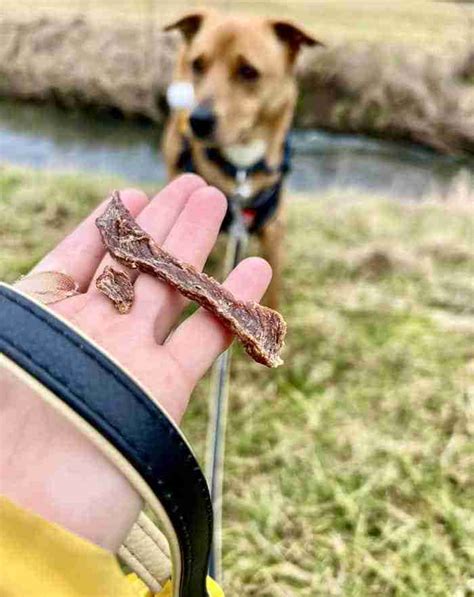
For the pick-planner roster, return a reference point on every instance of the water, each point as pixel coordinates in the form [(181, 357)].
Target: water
[(44, 136)]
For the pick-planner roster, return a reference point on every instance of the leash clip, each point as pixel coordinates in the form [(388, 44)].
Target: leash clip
[(237, 203), (243, 189)]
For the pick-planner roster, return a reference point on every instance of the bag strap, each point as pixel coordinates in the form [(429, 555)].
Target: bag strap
[(116, 413), (146, 552)]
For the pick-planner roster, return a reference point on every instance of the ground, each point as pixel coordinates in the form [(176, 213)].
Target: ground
[(349, 470), (417, 22)]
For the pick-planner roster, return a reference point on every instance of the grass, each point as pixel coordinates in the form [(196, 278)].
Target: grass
[(418, 22), (350, 469)]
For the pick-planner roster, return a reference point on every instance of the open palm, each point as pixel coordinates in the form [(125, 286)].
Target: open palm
[(185, 219)]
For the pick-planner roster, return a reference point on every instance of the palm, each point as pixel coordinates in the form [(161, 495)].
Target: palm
[(150, 363), (185, 219)]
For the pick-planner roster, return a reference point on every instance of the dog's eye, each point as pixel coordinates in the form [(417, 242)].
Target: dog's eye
[(198, 65), (247, 72)]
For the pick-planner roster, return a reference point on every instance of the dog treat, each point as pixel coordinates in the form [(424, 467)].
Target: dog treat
[(261, 330), (117, 286)]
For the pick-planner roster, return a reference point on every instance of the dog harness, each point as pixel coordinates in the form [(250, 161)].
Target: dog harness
[(260, 208)]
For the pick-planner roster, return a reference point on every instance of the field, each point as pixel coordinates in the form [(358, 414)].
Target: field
[(350, 469), (421, 22)]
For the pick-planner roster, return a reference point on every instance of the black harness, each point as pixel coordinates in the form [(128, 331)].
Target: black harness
[(260, 208)]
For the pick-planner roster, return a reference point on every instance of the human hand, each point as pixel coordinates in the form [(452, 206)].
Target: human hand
[(73, 484)]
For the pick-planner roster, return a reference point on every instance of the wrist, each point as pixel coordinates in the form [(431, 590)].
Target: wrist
[(49, 467)]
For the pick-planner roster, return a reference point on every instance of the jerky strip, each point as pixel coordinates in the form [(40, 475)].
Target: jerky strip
[(261, 330), (117, 286)]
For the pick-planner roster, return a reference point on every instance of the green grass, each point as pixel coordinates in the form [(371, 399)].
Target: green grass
[(350, 470), (418, 22)]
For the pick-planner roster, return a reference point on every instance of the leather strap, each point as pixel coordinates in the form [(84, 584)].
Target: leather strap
[(97, 391), (142, 551)]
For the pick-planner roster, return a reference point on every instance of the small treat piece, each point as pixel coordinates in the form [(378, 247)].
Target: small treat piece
[(117, 286), (48, 287), (261, 330)]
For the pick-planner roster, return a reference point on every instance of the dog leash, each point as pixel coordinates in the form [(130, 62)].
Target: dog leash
[(181, 98), (219, 399)]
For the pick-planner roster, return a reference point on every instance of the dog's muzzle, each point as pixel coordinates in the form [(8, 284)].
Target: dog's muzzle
[(203, 121)]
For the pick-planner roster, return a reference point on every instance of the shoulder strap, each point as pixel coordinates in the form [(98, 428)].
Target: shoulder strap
[(146, 552), (116, 413)]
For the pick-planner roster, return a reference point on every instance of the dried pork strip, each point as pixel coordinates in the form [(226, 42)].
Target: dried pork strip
[(261, 330), (117, 286)]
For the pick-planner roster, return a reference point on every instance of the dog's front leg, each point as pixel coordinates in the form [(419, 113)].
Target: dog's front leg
[(272, 238)]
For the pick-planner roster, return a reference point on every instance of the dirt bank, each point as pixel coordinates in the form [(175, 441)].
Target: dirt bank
[(77, 63), (388, 91), (392, 91)]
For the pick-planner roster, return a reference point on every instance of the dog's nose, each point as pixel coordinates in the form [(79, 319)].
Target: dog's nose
[(203, 121)]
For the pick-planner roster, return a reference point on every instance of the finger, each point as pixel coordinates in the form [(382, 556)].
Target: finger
[(190, 240), (79, 254), (157, 218), (198, 341)]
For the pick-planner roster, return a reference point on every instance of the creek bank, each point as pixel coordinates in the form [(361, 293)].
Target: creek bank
[(387, 91)]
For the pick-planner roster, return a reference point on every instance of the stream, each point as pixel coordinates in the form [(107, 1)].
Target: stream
[(49, 137)]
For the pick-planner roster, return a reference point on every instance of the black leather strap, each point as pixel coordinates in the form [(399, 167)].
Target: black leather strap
[(102, 394)]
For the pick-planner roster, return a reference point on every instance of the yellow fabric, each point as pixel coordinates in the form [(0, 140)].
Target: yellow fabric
[(40, 558), (138, 586), (141, 590)]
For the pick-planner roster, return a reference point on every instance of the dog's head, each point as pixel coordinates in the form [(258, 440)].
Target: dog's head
[(242, 70)]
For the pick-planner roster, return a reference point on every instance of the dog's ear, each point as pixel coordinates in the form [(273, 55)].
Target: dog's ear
[(294, 37), (189, 25)]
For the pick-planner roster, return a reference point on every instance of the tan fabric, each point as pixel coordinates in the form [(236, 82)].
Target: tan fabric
[(147, 553)]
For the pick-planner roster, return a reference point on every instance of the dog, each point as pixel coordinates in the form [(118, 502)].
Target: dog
[(242, 70)]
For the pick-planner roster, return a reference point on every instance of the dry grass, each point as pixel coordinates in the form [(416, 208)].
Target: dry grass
[(350, 469), (391, 91), (419, 22), (382, 89)]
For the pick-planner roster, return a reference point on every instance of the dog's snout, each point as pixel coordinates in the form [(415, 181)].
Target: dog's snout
[(203, 121)]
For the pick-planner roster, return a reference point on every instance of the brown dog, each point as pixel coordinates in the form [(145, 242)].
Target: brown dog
[(242, 71)]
